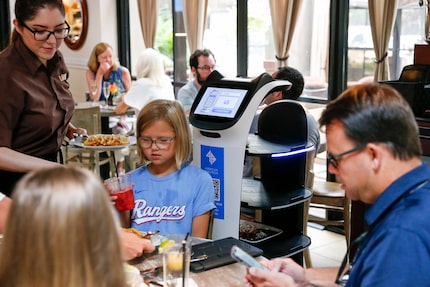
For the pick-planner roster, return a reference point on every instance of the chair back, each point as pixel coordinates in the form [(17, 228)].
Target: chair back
[(88, 118), (284, 122)]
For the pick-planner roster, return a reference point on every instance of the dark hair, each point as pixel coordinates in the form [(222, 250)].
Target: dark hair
[(194, 58), (27, 9), (376, 113), (295, 77)]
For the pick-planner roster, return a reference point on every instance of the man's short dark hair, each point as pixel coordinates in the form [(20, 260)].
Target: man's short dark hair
[(297, 82), (194, 58)]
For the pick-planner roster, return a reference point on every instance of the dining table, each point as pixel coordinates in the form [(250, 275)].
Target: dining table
[(230, 275)]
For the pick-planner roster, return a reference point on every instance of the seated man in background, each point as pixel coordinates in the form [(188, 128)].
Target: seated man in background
[(297, 83), (202, 63), (374, 150)]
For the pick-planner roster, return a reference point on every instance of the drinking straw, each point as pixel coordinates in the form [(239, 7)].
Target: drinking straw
[(114, 163), (184, 250)]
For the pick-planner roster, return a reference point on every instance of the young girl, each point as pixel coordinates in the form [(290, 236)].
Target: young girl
[(170, 194)]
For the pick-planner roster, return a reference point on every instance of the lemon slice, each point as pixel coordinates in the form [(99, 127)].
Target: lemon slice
[(174, 261), (166, 245)]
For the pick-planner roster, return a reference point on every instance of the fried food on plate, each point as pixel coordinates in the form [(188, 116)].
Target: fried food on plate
[(106, 140)]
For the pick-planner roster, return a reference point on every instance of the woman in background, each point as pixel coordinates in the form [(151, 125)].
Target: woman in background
[(102, 68), (62, 231), (152, 83)]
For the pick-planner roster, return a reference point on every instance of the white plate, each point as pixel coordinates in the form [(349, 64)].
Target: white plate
[(132, 141)]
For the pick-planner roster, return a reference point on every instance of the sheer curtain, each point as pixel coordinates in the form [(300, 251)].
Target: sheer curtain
[(148, 13), (320, 37), (381, 14), (195, 22), (284, 15)]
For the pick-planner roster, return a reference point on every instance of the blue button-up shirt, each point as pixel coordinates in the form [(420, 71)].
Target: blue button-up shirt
[(396, 251)]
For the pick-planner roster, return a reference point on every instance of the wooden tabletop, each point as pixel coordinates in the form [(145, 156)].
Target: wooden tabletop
[(230, 275), (226, 276)]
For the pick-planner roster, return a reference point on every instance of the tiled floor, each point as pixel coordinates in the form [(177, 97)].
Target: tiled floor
[(327, 248)]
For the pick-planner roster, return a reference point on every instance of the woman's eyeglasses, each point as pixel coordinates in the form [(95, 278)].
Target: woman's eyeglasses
[(43, 35), (161, 143)]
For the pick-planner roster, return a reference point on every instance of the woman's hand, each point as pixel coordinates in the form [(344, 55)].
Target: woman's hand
[(72, 130), (134, 246), (104, 67)]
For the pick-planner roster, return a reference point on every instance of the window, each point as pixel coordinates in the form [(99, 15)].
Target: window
[(407, 31), (309, 47)]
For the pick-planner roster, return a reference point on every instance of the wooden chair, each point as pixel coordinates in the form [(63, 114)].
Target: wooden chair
[(89, 119), (330, 197)]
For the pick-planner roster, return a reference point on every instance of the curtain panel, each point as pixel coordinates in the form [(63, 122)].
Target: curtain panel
[(284, 14), (381, 14), (195, 22), (148, 14)]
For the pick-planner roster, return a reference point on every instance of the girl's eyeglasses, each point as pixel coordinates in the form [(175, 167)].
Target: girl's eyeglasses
[(161, 143)]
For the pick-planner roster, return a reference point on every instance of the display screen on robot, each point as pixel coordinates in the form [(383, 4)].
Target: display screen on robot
[(220, 102)]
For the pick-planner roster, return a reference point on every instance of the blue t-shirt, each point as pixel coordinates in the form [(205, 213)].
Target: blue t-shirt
[(115, 76), (170, 203), (396, 251)]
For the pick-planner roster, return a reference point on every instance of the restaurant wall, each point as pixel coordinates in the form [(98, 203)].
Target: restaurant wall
[(102, 27)]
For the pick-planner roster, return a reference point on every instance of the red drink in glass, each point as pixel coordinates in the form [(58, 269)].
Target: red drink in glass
[(122, 188), (125, 199)]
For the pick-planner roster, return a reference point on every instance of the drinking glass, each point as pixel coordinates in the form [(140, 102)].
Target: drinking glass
[(106, 90), (122, 188), (176, 262), (93, 91)]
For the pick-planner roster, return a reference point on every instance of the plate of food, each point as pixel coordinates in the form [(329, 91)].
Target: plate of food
[(253, 232), (104, 142)]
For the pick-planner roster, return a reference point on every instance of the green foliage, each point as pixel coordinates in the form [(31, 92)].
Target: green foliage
[(164, 39)]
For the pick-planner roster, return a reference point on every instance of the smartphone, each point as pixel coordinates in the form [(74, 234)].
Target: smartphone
[(241, 256)]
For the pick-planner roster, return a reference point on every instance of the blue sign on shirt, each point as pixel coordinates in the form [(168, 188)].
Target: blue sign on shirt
[(212, 161)]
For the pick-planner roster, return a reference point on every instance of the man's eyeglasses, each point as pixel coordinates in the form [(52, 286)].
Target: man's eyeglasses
[(206, 68), (43, 35), (161, 143), (334, 159)]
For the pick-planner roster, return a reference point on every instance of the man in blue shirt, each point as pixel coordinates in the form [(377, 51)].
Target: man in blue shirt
[(373, 148)]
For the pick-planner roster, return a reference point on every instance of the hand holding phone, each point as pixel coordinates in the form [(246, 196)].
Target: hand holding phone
[(241, 256)]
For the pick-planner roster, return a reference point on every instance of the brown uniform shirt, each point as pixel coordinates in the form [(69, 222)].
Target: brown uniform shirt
[(35, 102)]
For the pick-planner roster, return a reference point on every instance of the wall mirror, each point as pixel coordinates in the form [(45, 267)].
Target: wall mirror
[(77, 17)]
